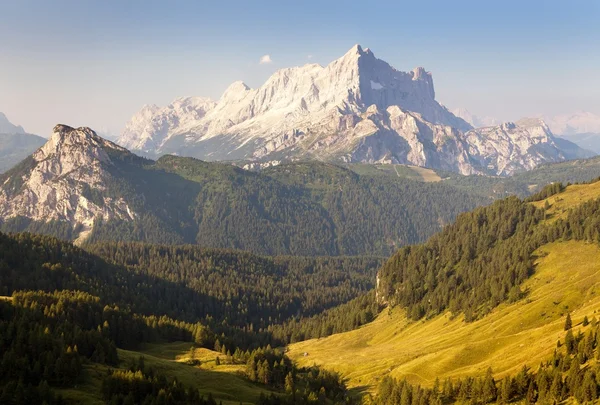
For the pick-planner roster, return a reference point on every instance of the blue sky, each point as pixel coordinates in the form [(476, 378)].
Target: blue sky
[(95, 63)]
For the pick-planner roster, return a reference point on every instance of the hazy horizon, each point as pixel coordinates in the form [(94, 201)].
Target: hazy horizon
[(97, 63)]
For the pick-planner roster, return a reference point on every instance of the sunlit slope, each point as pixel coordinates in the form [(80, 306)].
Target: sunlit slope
[(559, 205), (567, 279)]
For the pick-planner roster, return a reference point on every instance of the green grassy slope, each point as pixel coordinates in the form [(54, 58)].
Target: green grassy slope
[(393, 170)]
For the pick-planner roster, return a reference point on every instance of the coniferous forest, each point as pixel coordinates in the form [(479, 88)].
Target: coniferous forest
[(300, 209), (65, 307)]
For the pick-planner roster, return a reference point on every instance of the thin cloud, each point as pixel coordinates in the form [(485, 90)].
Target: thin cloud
[(265, 59), (309, 56)]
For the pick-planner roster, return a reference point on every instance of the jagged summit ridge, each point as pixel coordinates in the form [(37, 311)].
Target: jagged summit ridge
[(357, 108), (292, 105)]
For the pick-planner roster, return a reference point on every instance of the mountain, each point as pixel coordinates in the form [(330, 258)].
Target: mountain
[(15, 143), (475, 120), (356, 109), (16, 147), (581, 128), (150, 127), (575, 123), (587, 140), (333, 112), (79, 186), (6, 127), (514, 147), (64, 181)]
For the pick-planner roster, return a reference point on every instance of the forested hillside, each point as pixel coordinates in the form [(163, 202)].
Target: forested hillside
[(525, 183), (302, 209), (80, 308), (479, 261), (493, 290), (297, 209)]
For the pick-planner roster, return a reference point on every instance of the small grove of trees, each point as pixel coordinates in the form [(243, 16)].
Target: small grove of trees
[(143, 385), (274, 369)]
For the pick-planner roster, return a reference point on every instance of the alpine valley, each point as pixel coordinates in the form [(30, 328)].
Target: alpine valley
[(335, 236)]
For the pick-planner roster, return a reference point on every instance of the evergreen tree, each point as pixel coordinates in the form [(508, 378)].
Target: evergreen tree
[(568, 322)]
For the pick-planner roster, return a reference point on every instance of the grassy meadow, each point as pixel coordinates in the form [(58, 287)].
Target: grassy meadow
[(194, 367), (567, 279)]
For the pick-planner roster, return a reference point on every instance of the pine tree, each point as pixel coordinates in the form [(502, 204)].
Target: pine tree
[(556, 387), (289, 383), (506, 390), (531, 397), (570, 341), (568, 322), (489, 392)]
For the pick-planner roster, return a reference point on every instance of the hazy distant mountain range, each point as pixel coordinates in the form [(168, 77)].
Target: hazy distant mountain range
[(581, 128), (15, 143)]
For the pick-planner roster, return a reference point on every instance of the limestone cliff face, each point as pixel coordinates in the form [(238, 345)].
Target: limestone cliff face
[(65, 180), (356, 109)]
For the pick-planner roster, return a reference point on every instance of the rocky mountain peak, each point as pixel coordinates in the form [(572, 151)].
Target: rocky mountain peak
[(358, 108), (236, 91), (75, 146), (6, 127), (57, 184)]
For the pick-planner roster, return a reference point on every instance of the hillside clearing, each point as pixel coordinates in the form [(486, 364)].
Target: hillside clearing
[(224, 382)]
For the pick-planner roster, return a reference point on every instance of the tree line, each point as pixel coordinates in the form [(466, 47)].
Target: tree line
[(573, 372), (480, 261)]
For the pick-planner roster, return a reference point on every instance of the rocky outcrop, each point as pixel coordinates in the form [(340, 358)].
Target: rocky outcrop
[(65, 180)]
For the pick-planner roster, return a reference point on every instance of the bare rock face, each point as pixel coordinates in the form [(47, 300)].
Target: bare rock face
[(356, 109), (294, 104), (512, 147), (60, 179), (149, 128)]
